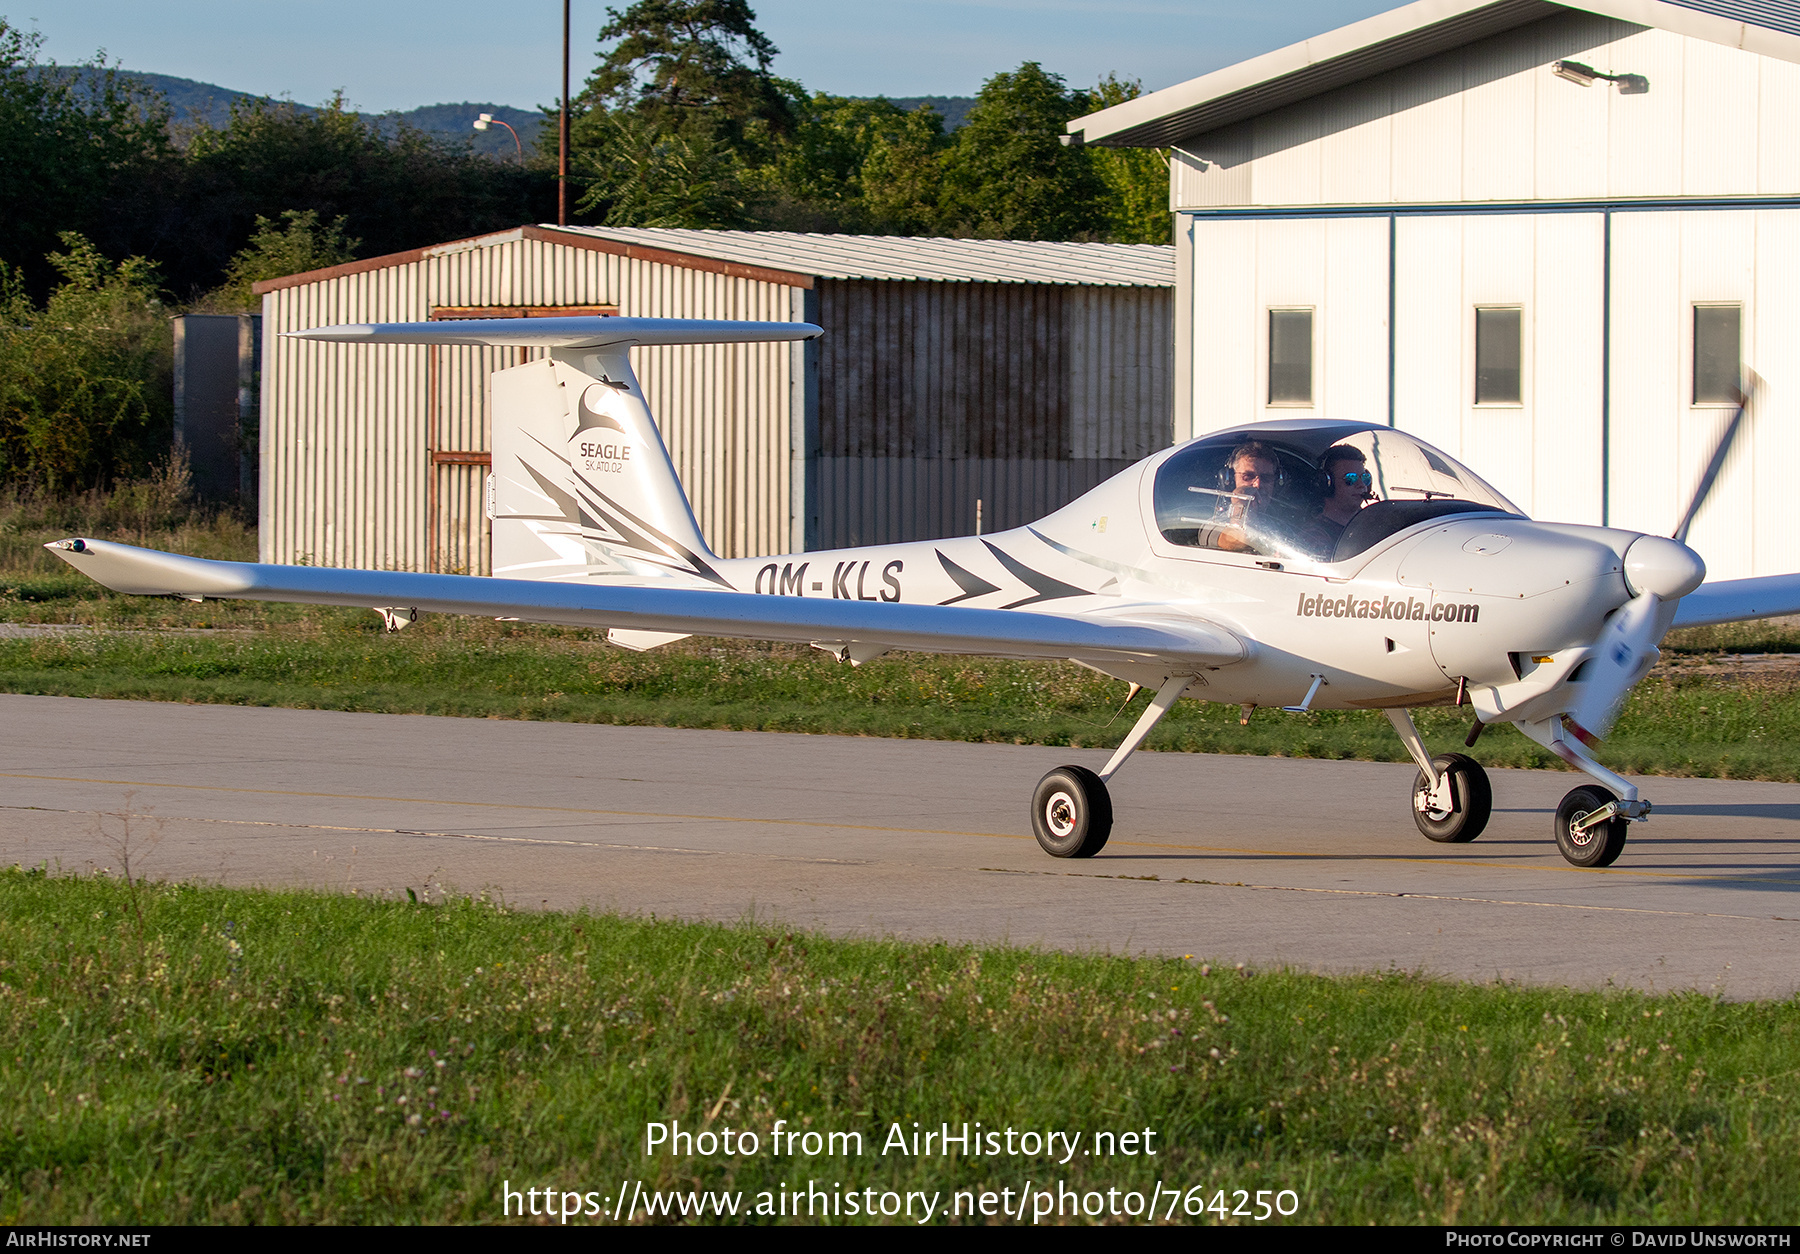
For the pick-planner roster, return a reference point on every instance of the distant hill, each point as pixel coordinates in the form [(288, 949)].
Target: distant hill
[(456, 122), (195, 102), (953, 109)]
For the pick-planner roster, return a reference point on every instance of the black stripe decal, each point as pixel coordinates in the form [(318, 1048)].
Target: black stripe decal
[(1047, 588), (972, 585)]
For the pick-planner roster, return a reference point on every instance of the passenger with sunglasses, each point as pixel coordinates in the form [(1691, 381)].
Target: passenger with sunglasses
[(1349, 489)]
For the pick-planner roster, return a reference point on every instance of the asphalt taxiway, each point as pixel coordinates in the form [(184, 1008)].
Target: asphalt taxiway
[(1263, 861)]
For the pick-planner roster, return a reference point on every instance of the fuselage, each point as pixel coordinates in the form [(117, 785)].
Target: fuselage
[(1485, 597)]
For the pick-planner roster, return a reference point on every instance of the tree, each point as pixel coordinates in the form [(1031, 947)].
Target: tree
[(1136, 200), (393, 187), (692, 66), (639, 174), (85, 382), (299, 245), (80, 150), (902, 176), (1008, 174), (857, 165)]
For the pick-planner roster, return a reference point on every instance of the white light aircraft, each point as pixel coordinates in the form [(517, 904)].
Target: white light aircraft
[(1303, 565)]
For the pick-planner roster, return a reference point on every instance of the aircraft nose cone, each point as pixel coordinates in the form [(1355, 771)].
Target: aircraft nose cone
[(1666, 567)]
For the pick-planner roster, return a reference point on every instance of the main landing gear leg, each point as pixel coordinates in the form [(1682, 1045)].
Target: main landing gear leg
[(1452, 799), (1071, 812), (1593, 821)]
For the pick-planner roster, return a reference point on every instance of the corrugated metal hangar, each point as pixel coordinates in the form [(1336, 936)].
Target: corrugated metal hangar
[(1547, 237), (1013, 374)]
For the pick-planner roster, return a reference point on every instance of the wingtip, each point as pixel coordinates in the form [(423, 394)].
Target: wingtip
[(334, 334)]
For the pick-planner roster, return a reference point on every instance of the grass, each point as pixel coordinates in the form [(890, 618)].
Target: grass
[(178, 1054), (1744, 727)]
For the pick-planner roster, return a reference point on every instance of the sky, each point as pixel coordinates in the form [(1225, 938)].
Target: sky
[(399, 54)]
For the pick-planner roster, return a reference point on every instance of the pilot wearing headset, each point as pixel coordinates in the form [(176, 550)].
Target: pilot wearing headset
[(1349, 486), (1253, 471)]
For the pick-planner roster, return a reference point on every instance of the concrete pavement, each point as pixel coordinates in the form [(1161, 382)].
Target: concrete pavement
[(1264, 861)]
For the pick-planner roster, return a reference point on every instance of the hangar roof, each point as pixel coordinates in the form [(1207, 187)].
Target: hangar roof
[(1399, 37), (798, 259), (909, 258)]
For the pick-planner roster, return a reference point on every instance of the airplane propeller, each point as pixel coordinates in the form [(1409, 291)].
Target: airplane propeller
[(1659, 573), (1753, 382)]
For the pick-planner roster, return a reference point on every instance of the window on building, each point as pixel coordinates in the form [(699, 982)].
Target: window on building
[(1497, 357), (1718, 353), (1290, 357)]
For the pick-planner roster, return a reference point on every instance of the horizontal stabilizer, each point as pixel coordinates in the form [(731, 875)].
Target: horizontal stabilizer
[(563, 332), (745, 615), (1735, 600)]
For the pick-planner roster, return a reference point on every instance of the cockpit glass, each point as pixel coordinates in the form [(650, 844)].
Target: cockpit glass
[(1320, 492)]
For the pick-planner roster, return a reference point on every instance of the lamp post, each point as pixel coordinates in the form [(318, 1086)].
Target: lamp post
[(562, 133), (487, 119)]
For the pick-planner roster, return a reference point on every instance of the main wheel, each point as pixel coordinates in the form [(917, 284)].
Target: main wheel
[(1071, 813), (1471, 796), (1599, 845)]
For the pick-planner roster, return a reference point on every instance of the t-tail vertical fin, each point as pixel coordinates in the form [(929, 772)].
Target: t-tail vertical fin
[(583, 485)]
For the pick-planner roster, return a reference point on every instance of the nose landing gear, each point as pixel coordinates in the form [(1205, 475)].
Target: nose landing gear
[(1591, 827), (1593, 820)]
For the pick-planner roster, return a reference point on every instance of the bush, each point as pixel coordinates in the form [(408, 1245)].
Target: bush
[(86, 381)]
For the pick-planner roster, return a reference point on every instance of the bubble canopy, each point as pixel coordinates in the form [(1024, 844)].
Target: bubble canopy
[(1319, 492)]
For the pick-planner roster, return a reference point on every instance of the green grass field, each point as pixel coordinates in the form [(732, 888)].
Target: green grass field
[(181, 1054), (249, 653)]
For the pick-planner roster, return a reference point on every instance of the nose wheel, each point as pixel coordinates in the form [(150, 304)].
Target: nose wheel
[(1071, 813), (1587, 831)]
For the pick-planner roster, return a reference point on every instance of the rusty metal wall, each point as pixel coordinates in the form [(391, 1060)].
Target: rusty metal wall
[(933, 396), (348, 431)]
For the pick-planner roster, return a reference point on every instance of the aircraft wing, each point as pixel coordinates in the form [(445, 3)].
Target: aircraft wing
[(1734, 600), (926, 628)]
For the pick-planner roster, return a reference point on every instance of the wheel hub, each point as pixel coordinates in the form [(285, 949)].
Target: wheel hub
[(1579, 836), (1427, 801), (1422, 802), (1060, 814)]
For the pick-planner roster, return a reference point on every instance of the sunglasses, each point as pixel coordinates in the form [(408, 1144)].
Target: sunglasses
[(1358, 478)]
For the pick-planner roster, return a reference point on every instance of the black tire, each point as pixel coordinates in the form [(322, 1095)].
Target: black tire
[(1599, 845), (1071, 813), (1471, 794)]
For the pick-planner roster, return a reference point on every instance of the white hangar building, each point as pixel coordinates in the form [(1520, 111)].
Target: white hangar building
[(1544, 236), (956, 379)]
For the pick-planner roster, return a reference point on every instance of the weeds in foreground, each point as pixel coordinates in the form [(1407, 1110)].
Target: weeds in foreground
[(129, 832)]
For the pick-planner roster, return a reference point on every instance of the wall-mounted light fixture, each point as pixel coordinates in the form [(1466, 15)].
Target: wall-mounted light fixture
[(1584, 76)]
